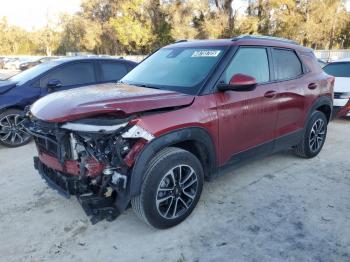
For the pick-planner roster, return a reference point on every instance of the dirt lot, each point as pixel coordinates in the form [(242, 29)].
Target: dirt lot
[(279, 208)]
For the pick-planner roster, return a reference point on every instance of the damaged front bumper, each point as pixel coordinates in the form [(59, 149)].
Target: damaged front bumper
[(94, 166), (99, 202)]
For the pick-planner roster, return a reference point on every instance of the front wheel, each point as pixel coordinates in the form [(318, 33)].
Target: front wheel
[(171, 189), (314, 136), (12, 131)]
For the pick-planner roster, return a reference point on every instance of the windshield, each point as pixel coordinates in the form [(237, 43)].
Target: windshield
[(340, 69), (179, 69), (31, 73)]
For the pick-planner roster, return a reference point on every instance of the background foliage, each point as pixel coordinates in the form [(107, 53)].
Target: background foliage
[(142, 26)]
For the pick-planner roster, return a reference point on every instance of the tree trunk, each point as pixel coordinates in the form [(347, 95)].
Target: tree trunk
[(260, 11)]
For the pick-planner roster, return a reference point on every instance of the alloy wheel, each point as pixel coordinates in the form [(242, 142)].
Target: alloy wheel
[(12, 131), (317, 135), (176, 191)]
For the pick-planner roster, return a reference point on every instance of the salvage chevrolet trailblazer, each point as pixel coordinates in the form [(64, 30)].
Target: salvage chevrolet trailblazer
[(184, 114)]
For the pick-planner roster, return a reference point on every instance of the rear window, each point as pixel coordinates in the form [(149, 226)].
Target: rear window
[(287, 64), (338, 69), (113, 71)]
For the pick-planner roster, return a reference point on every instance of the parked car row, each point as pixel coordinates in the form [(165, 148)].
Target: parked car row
[(22, 63)]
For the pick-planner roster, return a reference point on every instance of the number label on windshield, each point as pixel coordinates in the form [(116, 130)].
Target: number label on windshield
[(206, 53)]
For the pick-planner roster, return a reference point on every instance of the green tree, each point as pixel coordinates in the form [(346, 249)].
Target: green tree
[(160, 17), (14, 40), (47, 40), (132, 28), (79, 34)]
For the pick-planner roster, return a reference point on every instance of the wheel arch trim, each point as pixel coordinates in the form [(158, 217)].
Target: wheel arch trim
[(321, 101), (197, 134)]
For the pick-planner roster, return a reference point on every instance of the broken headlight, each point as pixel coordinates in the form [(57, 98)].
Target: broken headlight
[(80, 127)]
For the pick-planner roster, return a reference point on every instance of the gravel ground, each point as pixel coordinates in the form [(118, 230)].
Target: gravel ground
[(280, 208)]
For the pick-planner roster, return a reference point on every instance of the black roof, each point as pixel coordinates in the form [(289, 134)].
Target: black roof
[(264, 37)]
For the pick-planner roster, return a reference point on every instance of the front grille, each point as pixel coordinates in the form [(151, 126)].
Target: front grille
[(51, 139), (65, 184), (47, 145)]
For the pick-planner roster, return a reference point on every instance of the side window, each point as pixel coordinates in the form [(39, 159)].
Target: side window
[(338, 69), (113, 71), (287, 64), (71, 74), (249, 61)]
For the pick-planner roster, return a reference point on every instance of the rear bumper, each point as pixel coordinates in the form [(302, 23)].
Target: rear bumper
[(341, 111), (340, 102)]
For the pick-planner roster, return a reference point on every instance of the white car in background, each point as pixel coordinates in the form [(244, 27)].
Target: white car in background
[(340, 69), (16, 62)]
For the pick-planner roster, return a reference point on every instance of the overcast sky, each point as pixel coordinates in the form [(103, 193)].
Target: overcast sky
[(32, 14)]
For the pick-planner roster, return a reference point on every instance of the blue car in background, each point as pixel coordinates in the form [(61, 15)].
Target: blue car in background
[(26, 87)]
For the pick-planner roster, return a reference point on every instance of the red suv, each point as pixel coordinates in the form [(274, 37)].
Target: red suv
[(182, 115)]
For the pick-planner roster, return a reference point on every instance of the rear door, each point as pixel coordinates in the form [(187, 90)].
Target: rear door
[(111, 71), (247, 119), (292, 83), (71, 75)]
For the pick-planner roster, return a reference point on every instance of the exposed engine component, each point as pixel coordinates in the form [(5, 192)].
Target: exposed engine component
[(117, 178), (97, 153)]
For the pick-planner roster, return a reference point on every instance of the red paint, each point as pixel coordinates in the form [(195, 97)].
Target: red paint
[(242, 80), (72, 167), (93, 167), (344, 111), (236, 121), (104, 99), (135, 150)]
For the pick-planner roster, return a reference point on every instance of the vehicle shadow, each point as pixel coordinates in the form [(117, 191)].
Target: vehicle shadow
[(14, 148)]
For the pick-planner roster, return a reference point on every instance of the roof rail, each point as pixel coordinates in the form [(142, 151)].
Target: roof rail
[(180, 41), (264, 37)]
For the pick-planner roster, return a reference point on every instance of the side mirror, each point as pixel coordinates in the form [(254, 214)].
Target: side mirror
[(54, 83), (239, 82)]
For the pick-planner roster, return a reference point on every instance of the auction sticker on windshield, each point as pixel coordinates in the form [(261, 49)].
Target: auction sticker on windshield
[(206, 53)]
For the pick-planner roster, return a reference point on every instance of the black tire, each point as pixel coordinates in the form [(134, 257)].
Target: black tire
[(158, 180), (10, 125), (306, 147)]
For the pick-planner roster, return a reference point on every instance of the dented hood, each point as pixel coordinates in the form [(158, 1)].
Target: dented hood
[(115, 98)]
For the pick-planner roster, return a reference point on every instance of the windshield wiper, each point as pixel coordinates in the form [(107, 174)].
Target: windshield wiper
[(137, 84), (121, 82), (144, 85)]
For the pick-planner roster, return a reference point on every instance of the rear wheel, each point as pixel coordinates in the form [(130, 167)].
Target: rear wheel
[(12, 131), (314, 136), (171, 189)]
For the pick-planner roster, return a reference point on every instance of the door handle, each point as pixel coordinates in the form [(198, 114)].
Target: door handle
[(270, 94), (312, 86)]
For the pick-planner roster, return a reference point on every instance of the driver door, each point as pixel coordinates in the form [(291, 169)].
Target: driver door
[(247, 119)]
